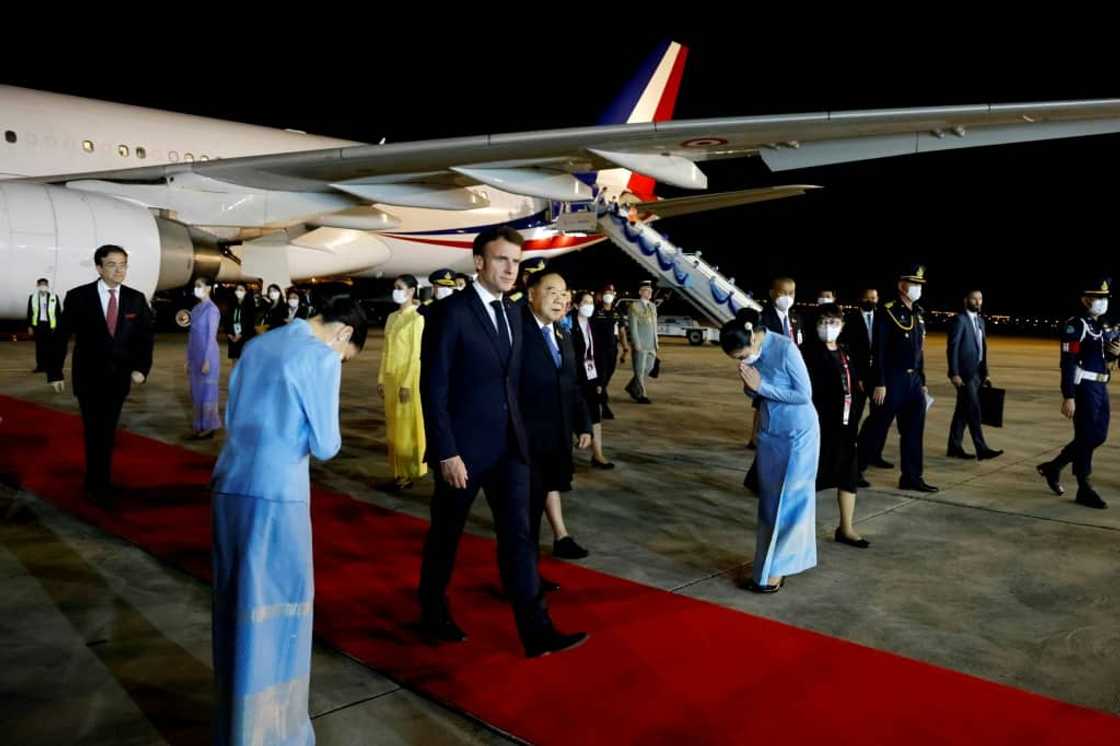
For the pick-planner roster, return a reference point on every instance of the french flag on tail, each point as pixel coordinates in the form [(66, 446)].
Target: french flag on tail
[(650, 97)]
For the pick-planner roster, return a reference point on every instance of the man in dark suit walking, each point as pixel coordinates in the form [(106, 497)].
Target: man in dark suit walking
[(470, 375), (968, 370), (859, 337), (113, 330), (552, 401)]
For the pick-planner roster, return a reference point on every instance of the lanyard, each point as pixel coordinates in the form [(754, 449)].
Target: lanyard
[(847, 387)]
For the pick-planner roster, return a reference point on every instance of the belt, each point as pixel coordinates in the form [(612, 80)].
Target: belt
[(1084, 375)]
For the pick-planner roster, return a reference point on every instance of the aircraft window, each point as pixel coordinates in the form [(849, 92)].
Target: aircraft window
[(141, 153), (204, 158), (10, 136), (188, 157), (122, 150), (172, 155), (87, 145)]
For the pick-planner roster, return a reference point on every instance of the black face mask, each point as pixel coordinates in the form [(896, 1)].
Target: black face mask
[(974, 308), (867, 305)]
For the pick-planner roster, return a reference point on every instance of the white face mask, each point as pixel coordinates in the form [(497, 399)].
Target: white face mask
[(399, 296), (442, 292), (828, 332), (199, 292), (752, 358), (42, 288), (293, 303), (784, 302), (240, 294), (587, 310), (1099, 307), (274, 295), (825, 301), (914, 292), (608, 298)]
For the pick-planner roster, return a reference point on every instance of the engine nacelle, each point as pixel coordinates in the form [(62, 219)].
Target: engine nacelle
[(51, 231)]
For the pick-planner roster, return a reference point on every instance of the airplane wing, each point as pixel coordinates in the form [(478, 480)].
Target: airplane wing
[(546, 163), (676, 206)]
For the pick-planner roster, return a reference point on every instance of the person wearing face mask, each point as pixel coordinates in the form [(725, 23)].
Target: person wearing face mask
[(899, 378), (44, 310), (283, 409), (858, 337), (642, 333), (824, 298), (398, 384), (241, 321), (779, 318), (607, 331), (584, 341), (203, 364), (1090, 348), (276, 312), (836, 394), (968, 370), (296, 309), (773, 371), (443, 286)]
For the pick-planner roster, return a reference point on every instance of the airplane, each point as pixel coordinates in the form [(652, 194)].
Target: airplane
[(191, 196)]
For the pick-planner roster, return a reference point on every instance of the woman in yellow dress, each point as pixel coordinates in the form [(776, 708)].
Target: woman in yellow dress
[(398, 383)]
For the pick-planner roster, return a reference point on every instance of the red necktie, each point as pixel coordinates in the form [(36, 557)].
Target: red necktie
[(111, 314)]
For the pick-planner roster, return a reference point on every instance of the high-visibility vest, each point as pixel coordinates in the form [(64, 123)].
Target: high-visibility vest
[(52, 306)]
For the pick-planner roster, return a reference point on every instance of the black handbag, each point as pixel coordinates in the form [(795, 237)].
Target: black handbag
[(991, 406), (655, 371)]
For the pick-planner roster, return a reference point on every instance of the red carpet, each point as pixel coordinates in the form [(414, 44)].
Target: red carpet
[(659, 669)]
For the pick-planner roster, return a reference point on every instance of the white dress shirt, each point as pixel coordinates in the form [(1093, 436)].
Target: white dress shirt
[(488, 298), (103, 291)]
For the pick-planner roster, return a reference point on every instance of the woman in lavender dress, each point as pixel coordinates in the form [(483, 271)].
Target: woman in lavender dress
[(203, 363)]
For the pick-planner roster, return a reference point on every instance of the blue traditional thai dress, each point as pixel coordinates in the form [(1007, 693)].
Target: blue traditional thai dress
[(202, 346)]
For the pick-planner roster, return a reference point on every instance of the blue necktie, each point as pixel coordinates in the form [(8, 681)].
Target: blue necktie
[(550, 340)]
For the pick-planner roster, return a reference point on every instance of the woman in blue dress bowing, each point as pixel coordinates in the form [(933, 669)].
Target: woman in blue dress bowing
[(203, 362), (773, 371)]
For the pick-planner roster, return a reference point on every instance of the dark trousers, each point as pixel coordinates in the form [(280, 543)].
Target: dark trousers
[(506, 484), (905, 401), (44, 342), (1090, 429), (100, 415), (967, 413)]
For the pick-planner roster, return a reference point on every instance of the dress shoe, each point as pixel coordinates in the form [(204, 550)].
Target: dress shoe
[(754, 587), (857, 543), (959, 453), (607, 413), (1053, 478), (988, 454), (1088, 497), (879, 463), (548, 640), (605, 465), (916, 485), (644, 400), (567, 548), (442, 629)]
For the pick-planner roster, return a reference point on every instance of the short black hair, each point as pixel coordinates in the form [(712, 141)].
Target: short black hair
[(502, 232), (410, 281), (242, 286), (579, 295), (830, 311), (41, 280), (830, 291), (106, 250), (536, 277), (277, 287), (734, 335), (205, 280), (346, 311)]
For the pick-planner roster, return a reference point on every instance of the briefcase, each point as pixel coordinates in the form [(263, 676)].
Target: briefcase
[(991, 406)]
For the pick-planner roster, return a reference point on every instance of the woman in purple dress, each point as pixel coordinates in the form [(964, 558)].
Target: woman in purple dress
[(203, 363)]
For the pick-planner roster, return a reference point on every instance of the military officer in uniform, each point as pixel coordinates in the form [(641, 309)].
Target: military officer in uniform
[(528, 267), (1090, 348), (899, 379), (443, 285), (644, 343)]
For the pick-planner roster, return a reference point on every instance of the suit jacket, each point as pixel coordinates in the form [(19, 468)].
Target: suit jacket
[(103, 363), (579, 349), (469, 392), (770, 319), (248, 318), (964, 353), (859, 344), (551, 401)]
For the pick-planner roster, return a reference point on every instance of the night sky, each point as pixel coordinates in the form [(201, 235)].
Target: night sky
[(1024, 222)]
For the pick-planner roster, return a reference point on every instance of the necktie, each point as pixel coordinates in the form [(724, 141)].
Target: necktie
[(979, 339), (550, 340), (870, 325), (111, 314), (503, 330), (785, 326)]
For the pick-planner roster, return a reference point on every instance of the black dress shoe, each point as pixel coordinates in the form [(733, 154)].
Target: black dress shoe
[(862, 483), (1053, 478), (754, 587), (567, 548), (549, 641), (549, 586), (1088, 497), (442, 629), (644, 400), (916, 485), (959, 453), (857, 543), (879, 463), (607, 413), (988, 454), (605, 465)]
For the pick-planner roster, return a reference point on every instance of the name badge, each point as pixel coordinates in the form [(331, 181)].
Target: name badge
[(589, 368), (847, 408)]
